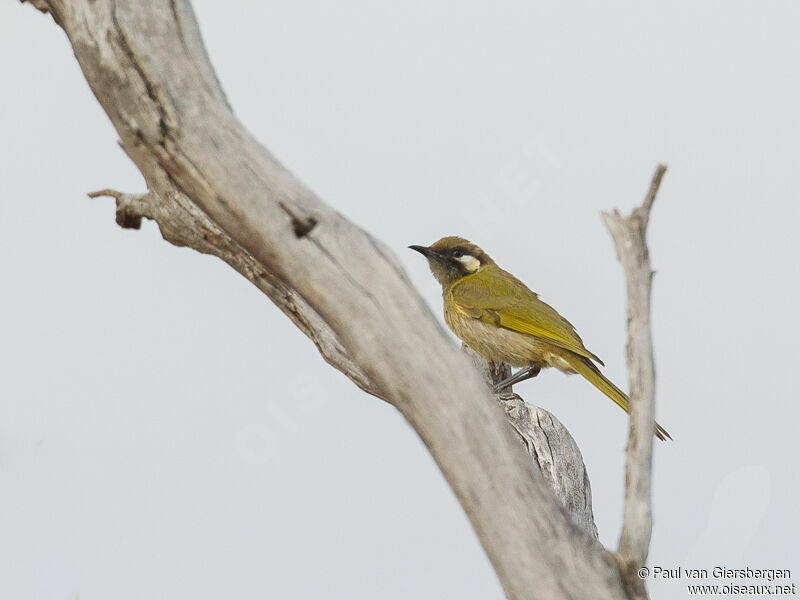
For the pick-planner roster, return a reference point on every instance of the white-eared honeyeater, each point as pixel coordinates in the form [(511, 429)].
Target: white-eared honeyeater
[(496, 315)]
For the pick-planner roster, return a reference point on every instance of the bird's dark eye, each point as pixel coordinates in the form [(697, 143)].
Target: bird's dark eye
[(457, 254)]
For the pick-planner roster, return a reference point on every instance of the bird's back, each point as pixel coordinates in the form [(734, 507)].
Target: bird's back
[(497, 298)]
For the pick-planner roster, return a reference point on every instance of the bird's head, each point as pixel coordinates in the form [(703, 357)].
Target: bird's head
[(452, 258)]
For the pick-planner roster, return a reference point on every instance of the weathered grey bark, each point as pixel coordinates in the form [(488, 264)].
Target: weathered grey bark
[(182, 223), (549, 444), (629, 233), (213, 187), (546, 440)]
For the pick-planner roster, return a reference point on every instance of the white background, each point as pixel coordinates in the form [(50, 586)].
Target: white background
[(165, 432)]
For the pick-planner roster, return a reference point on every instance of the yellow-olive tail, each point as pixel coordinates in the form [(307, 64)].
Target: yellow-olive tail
[(590, 372)]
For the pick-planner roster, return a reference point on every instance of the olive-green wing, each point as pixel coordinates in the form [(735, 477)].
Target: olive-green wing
[(497, 297)]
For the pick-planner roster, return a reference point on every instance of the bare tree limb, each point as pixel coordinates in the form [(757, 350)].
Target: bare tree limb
[(183, 224), (546, 440), (146, 64), (629, 235), (548, 443)]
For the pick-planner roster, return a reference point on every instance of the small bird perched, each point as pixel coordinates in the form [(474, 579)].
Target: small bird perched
[(496, 315)]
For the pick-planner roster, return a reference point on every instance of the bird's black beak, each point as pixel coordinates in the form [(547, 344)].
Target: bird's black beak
[(425, 251)]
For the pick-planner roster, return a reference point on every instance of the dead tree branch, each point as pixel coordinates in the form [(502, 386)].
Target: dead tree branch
[(549, 445), (629, 234), (546, 440), (183, 224), (213, 187)]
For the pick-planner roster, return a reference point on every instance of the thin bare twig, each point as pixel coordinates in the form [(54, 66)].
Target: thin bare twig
[(105, 193), (655, 183), (629, 235)]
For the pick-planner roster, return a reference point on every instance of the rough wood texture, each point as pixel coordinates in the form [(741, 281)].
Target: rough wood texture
[(629, 235), (183, 224), (212, 186), (548, 443), (545, 438)]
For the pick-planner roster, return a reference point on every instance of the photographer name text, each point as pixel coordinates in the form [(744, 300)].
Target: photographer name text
[(679, 572)]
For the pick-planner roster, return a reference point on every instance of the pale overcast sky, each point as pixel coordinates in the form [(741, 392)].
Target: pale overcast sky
[(165, 432)]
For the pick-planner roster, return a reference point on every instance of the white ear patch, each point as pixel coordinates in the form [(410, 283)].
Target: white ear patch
[(470, 263)]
